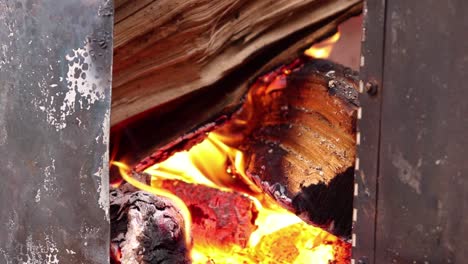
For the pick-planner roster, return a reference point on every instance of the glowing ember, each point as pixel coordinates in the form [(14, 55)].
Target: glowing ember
[(280, 237), (276, 236), (323, 49)]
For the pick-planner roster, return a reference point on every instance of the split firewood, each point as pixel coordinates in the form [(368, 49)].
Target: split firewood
[(145, 119), (164, 50), (145, 228)]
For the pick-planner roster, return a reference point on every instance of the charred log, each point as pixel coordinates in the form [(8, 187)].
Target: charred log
[(302, 143), (145, 228), (328, 206), (297, 131), (149, 229), (301, 126)]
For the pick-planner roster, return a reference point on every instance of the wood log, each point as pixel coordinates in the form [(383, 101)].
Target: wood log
[(182, 95), (139, 136), (148, 229), (296, 129), (145, 228), (166, 49)]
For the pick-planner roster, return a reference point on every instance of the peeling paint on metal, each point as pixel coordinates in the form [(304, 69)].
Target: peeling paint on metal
[(5, 58), (3, 104), (50, 177), (35, 252), (104, 175), (55, 60), (38, 196), (70, 251), (83, 89), (82, 78), (103, 191), (39, 253), (88, 233)]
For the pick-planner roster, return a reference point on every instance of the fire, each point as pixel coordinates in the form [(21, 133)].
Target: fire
[(323, 49), (217, 165), (278, 236)]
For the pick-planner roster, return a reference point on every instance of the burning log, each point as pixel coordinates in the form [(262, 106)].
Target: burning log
[(296, 130), (221, 224), (145, 228), (292, 129), (298, 125), (149, 229), (299, 140)]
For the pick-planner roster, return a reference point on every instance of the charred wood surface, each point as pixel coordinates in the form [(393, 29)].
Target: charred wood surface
[(301, 128), (296, 129), (145, 228), (329, 206)]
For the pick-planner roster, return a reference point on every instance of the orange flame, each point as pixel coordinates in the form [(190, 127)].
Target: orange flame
[(323, 49), (280, 236), (205, 164)]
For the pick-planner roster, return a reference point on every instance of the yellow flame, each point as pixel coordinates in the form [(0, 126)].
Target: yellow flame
[(124, 172), (270, 221), (323, 49), (211, 163), (279, 236)]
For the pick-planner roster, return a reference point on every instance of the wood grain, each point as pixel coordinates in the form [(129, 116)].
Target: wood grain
[(166, 49)]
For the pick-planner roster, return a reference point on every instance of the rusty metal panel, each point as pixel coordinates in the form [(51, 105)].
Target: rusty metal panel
[(55, 85), (421, 191), (423, 188), (365, 189)]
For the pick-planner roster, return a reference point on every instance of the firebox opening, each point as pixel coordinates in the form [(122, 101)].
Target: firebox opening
[(270, 182)]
